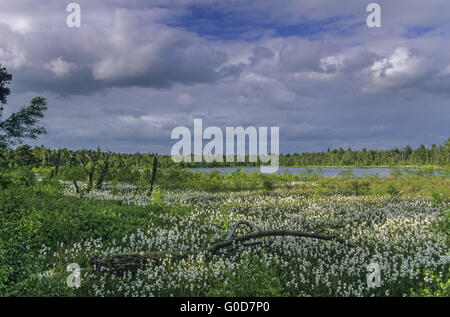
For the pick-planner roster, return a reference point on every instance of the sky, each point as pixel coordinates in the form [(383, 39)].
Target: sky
[(136, 69)]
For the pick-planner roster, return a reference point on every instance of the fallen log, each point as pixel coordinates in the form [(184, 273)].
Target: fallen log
[(278, 233), (132, 261)]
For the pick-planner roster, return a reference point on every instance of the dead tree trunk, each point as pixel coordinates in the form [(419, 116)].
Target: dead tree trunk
[(90, 172), (104, 171), (155, 166), (132, 261), (77, 189), (57, 164)]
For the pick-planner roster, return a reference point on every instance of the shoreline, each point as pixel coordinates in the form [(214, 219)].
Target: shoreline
[(340, 167)]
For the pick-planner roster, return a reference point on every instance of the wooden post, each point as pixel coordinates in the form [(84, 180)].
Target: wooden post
[(155, 166)]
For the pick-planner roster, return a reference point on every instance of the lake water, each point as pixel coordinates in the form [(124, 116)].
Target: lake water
[(325, 172)]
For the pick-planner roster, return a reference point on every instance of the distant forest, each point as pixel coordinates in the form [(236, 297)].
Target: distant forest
[(41, 156)]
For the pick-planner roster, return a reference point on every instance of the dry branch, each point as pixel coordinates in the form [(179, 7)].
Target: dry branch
[(132, 261), (234, 228)]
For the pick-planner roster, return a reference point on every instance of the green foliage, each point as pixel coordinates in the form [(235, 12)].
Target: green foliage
[(71, 173), (44, 172), (434, 285), (392, 190), (20, 176), (5, 79), (48, 218), (23, 123), (443, 226), (253, 278), (145, 177), (128, 167), (157, 196), (357, 187), (437, 199), (268, 183), (35, 213), (18, 272)]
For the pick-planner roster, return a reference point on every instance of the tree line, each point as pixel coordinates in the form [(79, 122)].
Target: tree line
[(41, 156)]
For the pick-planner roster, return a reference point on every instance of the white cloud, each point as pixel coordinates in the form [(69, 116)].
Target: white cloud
[(59, 67), (402, 69), (21, 26), (141, 51), (14, 59)]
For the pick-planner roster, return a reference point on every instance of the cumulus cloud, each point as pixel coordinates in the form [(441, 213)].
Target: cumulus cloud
[(136, 69), (138, 53), (301, 56), (402, 69), (260, 53), (348, 61), (13, 58), (59, 67), (132, 49)]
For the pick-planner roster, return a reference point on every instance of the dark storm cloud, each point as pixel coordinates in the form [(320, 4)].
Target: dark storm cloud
[(134, 50), (137, 69)]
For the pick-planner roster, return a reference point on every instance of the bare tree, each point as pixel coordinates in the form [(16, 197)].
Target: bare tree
[(90, 172), (104, 170)]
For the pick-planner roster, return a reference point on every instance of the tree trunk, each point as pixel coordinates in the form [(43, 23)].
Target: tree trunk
[(155, 166), (132, 261), (77, 189), (90, 173), (104, 171)]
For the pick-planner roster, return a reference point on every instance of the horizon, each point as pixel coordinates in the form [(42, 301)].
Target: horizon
[(104, 150)]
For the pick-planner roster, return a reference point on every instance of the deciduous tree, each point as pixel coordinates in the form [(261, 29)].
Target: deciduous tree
[(23, 123)]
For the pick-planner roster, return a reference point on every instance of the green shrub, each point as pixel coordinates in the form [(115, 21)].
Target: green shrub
[(357, 188), (436, 199), (268, 183), (392, 190), (434, 285), (23, 177)]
